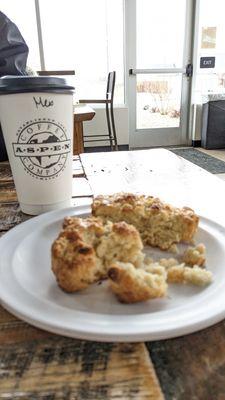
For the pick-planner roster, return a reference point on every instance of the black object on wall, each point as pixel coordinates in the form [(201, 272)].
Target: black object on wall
[(13, 59), (213, 124), (207, 62), (196, 143)]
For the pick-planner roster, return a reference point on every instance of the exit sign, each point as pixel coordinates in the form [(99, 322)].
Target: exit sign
[(207, 62)]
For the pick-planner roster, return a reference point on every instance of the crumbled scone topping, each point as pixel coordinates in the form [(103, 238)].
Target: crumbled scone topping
[(195, 255)]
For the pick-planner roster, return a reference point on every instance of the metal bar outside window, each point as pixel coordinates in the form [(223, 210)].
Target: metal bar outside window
[(158, 71)]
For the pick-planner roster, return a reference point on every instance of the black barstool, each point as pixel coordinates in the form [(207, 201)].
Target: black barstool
[(108, 101)]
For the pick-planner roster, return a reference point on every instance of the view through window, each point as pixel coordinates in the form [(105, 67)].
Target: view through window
[(160, 43), (78, 35), (211, 44)]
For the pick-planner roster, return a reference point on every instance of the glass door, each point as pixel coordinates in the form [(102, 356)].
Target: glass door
[(160, 69)]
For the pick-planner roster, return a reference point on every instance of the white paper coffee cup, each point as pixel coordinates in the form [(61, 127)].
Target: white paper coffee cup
[(36, 115)]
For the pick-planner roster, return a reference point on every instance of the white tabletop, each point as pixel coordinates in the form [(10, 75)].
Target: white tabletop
[(157, 172)]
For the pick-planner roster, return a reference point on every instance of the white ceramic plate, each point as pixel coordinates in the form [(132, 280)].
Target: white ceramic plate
[(28, 289)]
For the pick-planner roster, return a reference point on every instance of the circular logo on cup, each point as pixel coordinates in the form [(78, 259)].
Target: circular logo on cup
[(43, 147)]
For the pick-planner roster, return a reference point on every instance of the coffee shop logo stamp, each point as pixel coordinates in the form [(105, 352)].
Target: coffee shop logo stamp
[(43, 147)]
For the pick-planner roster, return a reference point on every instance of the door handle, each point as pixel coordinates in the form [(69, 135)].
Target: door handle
[(134, 71), (189, 70)]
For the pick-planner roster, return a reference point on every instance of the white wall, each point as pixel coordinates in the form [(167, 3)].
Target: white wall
[(98, 125)]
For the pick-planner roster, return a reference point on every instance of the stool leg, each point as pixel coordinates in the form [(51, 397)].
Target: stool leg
[(109, 126), (113, 127)]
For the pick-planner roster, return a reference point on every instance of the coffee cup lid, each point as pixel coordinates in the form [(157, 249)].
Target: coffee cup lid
[(20, 84)]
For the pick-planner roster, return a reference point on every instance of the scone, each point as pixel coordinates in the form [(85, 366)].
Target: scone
[(132, 285), (86, 247), (159, 224)]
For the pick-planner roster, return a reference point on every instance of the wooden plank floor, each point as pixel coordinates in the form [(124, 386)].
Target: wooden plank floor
[(39, 365), (192, 367)]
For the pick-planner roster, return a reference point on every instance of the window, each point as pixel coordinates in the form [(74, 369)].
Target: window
[(82, 35), (211, 46)]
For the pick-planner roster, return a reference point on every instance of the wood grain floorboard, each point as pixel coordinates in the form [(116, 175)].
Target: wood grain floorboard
[(35, 364), (7, 193), (11, 215), (192, 367), (5, 172)]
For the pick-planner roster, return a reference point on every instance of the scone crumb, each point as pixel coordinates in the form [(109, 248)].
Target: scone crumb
[(183, 274), (195, 255), (198, 276), (174, 249), (148, 260), (168, 262)]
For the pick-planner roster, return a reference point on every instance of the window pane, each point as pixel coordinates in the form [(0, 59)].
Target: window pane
[(82, 35), (160, 33), (22, 13), (211, 44), (158, 101)]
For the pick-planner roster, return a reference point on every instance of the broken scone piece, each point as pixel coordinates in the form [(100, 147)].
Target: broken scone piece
[(184, 274), (86, 247), (132, 285), (195, 255), (160, 224)]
